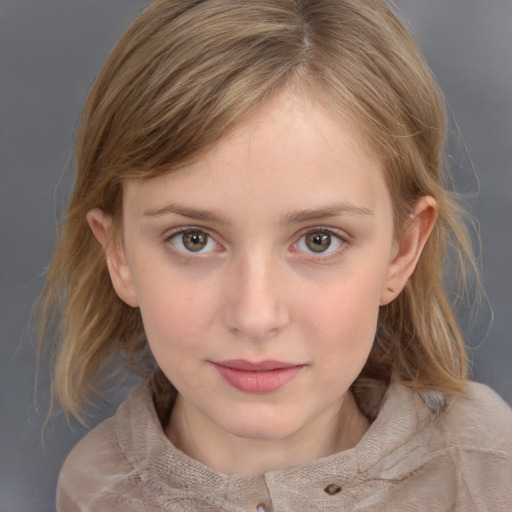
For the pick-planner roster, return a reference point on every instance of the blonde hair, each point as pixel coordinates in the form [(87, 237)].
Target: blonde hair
[(184, 74)]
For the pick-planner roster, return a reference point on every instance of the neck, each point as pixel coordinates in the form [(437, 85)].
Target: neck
[(339, 428)]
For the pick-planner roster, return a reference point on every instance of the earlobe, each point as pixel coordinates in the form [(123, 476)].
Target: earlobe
[(118, 268), (409, 248)]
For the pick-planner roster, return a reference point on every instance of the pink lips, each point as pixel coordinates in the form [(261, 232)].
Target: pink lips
[(262, 377)]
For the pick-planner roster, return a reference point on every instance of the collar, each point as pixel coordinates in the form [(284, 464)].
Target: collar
[(170, 475)]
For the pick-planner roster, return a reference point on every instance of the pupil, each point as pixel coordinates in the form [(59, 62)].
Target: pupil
[(194, 241), (318, 242)]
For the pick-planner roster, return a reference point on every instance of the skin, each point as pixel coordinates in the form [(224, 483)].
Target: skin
[(257, 291)]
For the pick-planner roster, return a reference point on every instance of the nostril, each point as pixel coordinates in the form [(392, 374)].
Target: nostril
[(256, 320)]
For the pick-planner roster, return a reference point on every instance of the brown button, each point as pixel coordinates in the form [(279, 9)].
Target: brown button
[(332, 489)]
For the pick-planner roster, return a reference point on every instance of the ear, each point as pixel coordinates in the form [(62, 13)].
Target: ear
[(118, 267), (408, 249)]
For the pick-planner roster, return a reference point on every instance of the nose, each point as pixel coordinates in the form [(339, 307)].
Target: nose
[(256, 308)]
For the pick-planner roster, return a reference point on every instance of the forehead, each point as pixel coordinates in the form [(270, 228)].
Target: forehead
[(292, 151)]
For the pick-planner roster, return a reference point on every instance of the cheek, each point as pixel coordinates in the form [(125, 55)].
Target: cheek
[(175, 311), (175, 322), (343, 317)]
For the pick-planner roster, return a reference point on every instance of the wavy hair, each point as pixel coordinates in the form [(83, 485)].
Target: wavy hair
[(183, 75)]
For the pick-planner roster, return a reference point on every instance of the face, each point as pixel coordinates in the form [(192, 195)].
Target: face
[(259, 270)]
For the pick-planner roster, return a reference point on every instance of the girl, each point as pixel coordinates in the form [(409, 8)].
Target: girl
[(260, 216)]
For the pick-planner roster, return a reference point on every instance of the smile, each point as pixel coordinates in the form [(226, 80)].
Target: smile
[(263, 377)]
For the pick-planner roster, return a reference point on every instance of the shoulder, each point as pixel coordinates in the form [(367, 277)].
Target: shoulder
[(459, 454), (89, 467), (479, 419), (477, 428), (98, 471)]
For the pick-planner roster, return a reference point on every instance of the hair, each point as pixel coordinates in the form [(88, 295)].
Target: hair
[(188, 71)]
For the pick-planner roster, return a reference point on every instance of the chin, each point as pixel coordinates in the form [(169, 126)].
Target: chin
[(259, 426)]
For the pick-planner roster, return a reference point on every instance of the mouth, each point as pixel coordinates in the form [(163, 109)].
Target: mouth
[(260, 377)]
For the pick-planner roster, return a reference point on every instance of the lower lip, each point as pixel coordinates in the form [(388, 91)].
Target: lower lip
[(263, 381)]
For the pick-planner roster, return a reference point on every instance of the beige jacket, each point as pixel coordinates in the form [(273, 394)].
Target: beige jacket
[(410, 459)]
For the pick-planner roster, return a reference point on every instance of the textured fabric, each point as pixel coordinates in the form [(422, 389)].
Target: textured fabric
[(410, 459)]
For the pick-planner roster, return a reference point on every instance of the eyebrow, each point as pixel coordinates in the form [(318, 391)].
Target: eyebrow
[(187, 211), (333, 210), (298, 216)]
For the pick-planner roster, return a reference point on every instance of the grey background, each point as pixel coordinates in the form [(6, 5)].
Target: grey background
[(50, 51)]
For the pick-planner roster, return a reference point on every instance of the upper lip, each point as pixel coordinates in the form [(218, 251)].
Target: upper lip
[(267, 365)]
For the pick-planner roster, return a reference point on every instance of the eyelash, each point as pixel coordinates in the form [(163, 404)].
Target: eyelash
[(175, 234), (319, 256), (323, 256)]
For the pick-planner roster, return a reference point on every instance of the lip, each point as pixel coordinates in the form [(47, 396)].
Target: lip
[(257, 377)]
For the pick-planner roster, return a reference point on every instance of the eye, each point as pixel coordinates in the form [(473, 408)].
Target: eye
[(192, 241), (319, 242)]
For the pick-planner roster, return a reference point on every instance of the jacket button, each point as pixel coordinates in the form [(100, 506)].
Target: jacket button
[(262, 508), (332, 489)]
